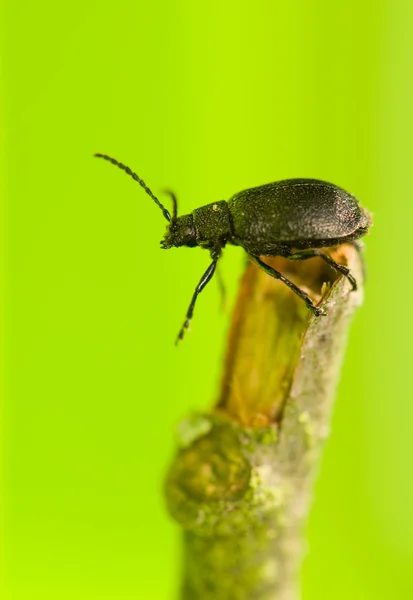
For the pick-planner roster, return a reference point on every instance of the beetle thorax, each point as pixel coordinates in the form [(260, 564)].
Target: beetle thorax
[(212, 224), (208, 226)]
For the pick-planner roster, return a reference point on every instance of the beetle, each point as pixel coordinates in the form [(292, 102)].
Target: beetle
[(293, 218)]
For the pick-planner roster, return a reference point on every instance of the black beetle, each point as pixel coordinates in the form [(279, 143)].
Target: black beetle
[(293, 218)]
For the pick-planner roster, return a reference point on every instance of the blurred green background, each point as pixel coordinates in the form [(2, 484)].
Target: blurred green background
[(206, 98)]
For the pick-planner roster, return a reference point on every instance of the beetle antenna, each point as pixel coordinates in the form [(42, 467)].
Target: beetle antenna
[(174, 203), (127, 170)]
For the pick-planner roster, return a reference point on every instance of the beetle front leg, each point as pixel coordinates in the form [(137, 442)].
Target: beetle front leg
[(316, 310), (340, 268), (206, 277)]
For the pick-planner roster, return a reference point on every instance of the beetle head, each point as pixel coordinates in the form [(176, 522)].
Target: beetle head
[(180, 232)]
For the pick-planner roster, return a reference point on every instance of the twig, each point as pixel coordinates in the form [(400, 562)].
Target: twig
[(241, 483)]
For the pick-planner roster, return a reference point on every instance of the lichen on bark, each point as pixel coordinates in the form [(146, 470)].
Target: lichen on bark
[(240, 485)]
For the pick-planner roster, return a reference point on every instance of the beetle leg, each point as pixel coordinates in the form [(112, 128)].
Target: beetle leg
[(341, 268), (359, 246), (206, 277), (222, 288), (316, 310)]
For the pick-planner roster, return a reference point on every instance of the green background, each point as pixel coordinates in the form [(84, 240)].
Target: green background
[(206, 98)]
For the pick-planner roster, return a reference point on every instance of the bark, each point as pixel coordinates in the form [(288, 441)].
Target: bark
[(241, 483)]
